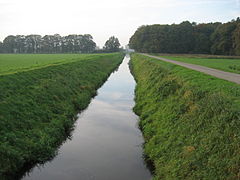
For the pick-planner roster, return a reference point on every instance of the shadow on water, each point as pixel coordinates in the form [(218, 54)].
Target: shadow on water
[(106, 142), (28, 168)]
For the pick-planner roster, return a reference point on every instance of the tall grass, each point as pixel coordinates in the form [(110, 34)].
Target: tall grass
[(190, 121), (38, 108)]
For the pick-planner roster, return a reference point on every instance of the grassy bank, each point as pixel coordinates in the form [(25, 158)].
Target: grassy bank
[(37, 108), (222, 63), (190, 121)]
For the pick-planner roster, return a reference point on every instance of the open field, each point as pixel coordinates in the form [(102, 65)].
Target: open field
[(37, 108), (225, 63), (12, 63), (190, 121)]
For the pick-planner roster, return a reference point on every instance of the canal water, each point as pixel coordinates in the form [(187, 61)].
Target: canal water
[(106, 143)]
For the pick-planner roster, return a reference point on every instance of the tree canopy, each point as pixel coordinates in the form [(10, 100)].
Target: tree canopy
[(48, 44), (112, 44), (186, 37)]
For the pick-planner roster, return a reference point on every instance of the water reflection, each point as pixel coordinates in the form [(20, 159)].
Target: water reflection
[(106, 142)]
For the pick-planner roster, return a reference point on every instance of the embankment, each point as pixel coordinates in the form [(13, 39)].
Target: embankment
[(190, 121), (38, 108)]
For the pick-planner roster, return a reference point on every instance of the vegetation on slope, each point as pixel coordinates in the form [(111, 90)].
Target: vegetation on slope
[(37, 108), (186, 37), (190, 121), (230, 65)]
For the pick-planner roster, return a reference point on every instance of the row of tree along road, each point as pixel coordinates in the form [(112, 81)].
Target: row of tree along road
[(55, 44), (211, 38)]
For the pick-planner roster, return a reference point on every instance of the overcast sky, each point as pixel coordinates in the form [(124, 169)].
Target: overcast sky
[(104, 18)]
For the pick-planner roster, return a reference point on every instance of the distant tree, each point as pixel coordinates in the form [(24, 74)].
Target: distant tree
[(10, 44), (186, 37), (56, 43), (236, 39), (136, 40), (19, 44), (46, 45), (1, 47), (112, 44), (222, 39), (78, 43), (51, 44), (164, 38), (33, 44), (68, 44), (88, 45), (202, 37), (181, 38)]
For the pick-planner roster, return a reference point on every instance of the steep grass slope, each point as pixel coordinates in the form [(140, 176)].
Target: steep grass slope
[(37, 109), (190, 121)]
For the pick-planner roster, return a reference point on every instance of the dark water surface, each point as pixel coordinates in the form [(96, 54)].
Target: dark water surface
[(106, 143)]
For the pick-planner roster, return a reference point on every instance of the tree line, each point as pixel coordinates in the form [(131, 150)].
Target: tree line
[(55, 44), (207, 38)]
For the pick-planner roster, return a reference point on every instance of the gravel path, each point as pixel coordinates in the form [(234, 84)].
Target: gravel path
[(214, 72)]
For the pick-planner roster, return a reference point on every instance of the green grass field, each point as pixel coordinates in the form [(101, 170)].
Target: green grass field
[(12, 63), (190, 121), (38, 107), (225, 64)]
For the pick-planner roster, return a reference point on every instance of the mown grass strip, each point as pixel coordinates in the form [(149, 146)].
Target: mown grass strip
[(37, 109), (190, 121), (229, 65)]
